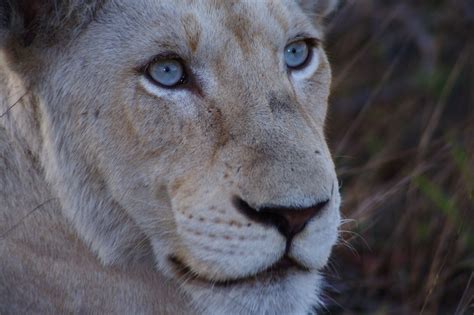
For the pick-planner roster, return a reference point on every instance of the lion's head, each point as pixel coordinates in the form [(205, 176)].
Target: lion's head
[(190, 129)]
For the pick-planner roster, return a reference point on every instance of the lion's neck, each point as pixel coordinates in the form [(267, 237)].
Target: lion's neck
[(77, 186), (45, 265)]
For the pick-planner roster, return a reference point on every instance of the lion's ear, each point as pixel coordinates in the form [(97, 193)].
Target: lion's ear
[(318, 8), (22, 13), (20, 18), (29, 11), (43, 21)]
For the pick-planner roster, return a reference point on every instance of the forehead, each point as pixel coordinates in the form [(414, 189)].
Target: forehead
[(199, 25)]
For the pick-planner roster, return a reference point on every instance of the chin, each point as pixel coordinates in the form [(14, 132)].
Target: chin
[(283, 288), (296, 293)]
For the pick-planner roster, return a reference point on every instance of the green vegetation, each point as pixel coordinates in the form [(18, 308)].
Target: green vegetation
[(401, 125)]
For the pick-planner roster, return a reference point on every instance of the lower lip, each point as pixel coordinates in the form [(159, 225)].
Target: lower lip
[(275, 273)]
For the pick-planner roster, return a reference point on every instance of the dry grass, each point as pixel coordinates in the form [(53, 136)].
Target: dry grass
[(402, 129)]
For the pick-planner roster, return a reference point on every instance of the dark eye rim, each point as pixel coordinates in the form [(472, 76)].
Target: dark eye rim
[(185, 78), (312, 44)]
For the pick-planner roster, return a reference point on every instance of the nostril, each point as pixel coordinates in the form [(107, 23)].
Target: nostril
[(288, 221)]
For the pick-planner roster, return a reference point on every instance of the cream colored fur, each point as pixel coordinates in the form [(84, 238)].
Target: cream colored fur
[(104, 176)]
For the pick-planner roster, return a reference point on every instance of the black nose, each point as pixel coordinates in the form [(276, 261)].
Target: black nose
[(288, 221)]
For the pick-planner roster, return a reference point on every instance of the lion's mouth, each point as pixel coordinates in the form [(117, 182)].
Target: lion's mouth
[(277, 271)]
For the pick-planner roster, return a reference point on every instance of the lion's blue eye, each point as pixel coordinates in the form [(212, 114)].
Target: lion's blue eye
[(167, 72), (296, 54)]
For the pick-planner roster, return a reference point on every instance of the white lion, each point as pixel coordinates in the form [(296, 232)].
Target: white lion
[(164, 157)]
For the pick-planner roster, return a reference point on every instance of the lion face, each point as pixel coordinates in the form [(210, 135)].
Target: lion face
[(227, 174)]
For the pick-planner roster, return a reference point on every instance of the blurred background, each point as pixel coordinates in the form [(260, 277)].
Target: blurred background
[(401, 128)]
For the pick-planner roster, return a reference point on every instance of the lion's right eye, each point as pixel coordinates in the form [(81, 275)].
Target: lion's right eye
[(297, 54), (167, 72)]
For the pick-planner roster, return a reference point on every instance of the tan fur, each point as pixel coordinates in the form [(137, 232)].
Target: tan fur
[(105, 176)]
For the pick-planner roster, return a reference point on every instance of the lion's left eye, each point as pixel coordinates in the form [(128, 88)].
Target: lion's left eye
[(297, 54)]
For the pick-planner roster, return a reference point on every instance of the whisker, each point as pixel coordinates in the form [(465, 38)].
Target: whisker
[(14, 104), (14, 226)]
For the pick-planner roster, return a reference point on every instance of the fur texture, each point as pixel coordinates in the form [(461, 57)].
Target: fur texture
[(107, 178)]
